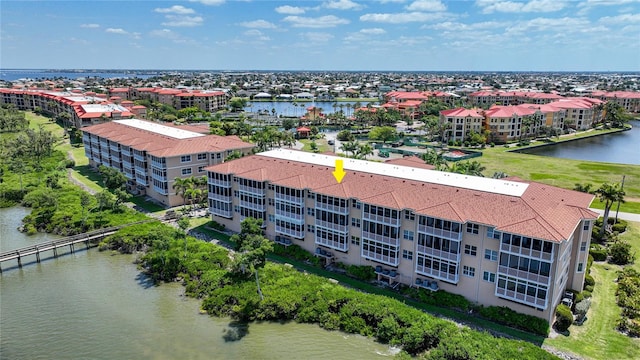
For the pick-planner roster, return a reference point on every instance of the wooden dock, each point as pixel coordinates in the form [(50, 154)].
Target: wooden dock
[(88, 238)]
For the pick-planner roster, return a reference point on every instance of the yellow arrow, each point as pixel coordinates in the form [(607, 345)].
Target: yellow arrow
[(339, 172)]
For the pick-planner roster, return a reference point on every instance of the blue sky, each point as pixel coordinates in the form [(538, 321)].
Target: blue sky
[(403, 35)]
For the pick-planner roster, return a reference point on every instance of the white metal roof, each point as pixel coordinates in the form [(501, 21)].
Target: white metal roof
[(497, 186), (159, 128), (94, 108)]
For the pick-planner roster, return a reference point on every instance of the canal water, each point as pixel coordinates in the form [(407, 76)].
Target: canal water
[(622, 148), (289, 108), (97, 305)]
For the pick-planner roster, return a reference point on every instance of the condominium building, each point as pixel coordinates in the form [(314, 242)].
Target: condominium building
[(461, 122), (153, 155), (503, 242)]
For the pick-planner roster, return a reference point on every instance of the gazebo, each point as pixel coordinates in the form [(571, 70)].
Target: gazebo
[(303, 132)]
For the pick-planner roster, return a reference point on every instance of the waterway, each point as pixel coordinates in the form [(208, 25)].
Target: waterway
[(622, 148), (298, 108), (97, 305)]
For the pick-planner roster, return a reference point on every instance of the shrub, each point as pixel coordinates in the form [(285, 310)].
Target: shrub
[(506, 316), (598, 252), (364, 272), (581, 309), (620, 252), (564, 318), (620, 227), (589, 280)]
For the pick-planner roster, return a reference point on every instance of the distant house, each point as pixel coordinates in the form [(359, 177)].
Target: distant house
[(303, 132), (304, 96), (262, 96)]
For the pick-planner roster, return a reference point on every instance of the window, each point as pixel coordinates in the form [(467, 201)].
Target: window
[(493, 234), (186, 171), (491, 255), (409, 215), (200, 169), (586, 226), (468, 271), (271, 202), (355, 240), (489, 276), (406, 254), (272, 218), (311, 228), (356, 204), (185, 158), (311, 211), (473, 228), (580, 267), (470, 250), (202, 156), (408, 235), (355, 222), (219, 156), (583, 246)]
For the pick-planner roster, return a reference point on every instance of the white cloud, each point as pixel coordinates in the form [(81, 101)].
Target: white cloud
[(256, 34), (209, 2), (118, 31), (171, 35), (258, 24), (401, 18), (373, 31), (427, 5), (559, 25), (183, 21), (289, 10), (319, 22), (90, 26), (79, 41), (317, 37), (490, 6), (175, 9), (621, 19), (458, 27), (342, 5)]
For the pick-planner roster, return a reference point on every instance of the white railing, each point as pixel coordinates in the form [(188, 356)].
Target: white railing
[(541, 279), (140, 170), (385, 259), (221, 183), (341, 246), (442, 275), (332, 226), (128, 174), (252, 206), (536, 254), (380, 238), (333, 208), (159, 177), (521, 298), (251, 190), (125, 151), (160, 190), (447, 234), (220, 212), (139, 157), (158, 164), (381, 219), (114, 147), (438, 253), (290, 232), (289, 216), (127, 165), (142, 180), (219, 197), (291, 199)]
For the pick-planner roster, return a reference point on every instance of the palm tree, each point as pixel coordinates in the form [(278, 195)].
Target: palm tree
[(180, 185), (349, 147), (609, 194), (364, 150)]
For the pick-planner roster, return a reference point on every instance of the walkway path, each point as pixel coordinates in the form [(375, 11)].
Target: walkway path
[(621, 215)]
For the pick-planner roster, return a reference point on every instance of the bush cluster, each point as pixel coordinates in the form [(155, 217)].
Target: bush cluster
[(628, 298), (564, 318), (506, 316), (296, 252), (598, 252)]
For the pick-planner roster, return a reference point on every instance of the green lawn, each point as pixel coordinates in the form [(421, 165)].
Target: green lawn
[(597, 338), (322, 145), (629, 206)]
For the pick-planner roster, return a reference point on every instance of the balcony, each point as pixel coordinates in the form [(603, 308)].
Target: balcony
[(385, 259), (438, 253), (139, 157), (536, 254), (442, 275), (290, 199), (222, 213), (105, 154), (447, 234), (298, 234), (160, 190), (252, 206), (381, 219), (283, 241), (219, 197), (104, 143), (158, 165), (521, 298), (337, 245), (125, 151), (127, 165), (140, 171), (541, 279), (128, 173), (427, 284), (380, 238), (221, 183), (333, 208), (114, 147), (158, 177), (251, 190), (141, 180), (289, 216), (332, 226)]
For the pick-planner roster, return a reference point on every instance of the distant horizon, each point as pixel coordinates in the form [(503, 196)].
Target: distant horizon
[(543, 36)]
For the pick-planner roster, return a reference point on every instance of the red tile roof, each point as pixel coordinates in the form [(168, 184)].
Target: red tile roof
[(543, 211)]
